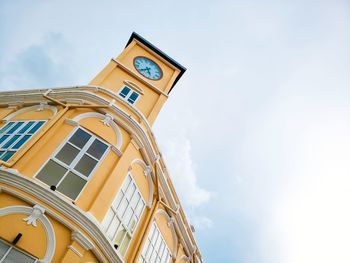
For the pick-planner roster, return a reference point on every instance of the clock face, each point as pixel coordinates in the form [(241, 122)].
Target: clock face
[(148, 68)]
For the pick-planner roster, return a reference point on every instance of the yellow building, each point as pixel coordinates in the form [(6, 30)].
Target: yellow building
[(81, 175)]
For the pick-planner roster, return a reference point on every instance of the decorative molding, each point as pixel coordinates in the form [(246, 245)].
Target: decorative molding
[(116, 150), (50, 233), (38, 107), (133, 86), (75, 251), (41, 106), (148, 173), (107, 119), (171, 225), (141, 137), (105, 253), (36, 214), (71, 122), (100, 116), (82, 240)]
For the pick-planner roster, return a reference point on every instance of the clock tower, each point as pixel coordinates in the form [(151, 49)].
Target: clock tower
[(81, 176), (148, 73)]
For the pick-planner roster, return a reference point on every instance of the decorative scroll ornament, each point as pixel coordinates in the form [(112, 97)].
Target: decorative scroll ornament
[(107, 120), (37, 212), (41, 106)]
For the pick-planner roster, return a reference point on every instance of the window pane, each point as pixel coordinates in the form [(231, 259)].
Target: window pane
[(3, 249), (11, 141), (116, 202), (15, 127), (97, 149), (3, 138), (126, 183), (21, 142), (7, 156), (26, 127), (130, 191), (8, 125), (127, 216), (52, 173), (135, 199), (139, 208), (125, 244), (122, 207), (120, 235), (16, 256), (113, 228), (85, 165), (71, 185), (67, 154), (133, 97), (36, 127), (124, 92), (80, 138), (108, 219)]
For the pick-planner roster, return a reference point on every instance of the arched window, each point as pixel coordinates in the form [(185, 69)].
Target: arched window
[(73, 164), (15, 134), (124, 215), (155, 248), (10, 253)]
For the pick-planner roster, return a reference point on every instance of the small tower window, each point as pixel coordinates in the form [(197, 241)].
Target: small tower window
[(128, 94), (15, 134)]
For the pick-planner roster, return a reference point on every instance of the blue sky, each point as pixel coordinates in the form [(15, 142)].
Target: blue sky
[(256, 134)]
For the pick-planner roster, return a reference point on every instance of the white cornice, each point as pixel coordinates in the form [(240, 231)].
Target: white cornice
[(76, 215), (144, 138)]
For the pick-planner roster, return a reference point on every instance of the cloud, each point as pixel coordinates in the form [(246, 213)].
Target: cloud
[(44, 64), (177, 152)]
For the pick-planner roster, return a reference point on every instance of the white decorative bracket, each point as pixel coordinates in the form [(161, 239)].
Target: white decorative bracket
[(71, 122), (107, 120), (36, 214), (41, 106), (82, 240)]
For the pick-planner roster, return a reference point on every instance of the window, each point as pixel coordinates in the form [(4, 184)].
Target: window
[(14, 134), (155, 248), (9, 253), (128, 94), (123, 216), (73, 164)]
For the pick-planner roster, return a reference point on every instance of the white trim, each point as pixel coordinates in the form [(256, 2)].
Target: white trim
[(133, 86), (128, 95), (38, 107), (102, 117), (82, 240), (75, 251), (50, 233), (148, 173), (105, 252), (142, 136)]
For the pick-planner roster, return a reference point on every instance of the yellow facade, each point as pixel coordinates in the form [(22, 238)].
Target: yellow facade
[(81, 176)]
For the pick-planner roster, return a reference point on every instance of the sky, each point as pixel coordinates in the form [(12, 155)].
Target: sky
[(256, 135)]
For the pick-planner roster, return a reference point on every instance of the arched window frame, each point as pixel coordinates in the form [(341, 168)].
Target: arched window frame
[(70, 168), (114, 223)]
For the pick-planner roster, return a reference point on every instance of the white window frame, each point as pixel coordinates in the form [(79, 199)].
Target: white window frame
[(145, 257), (12, 247), (121, 219), (129, 94), (15, 133), (70, 167)]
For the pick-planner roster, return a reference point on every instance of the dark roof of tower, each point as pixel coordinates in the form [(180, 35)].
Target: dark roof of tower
[(160, 53)]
